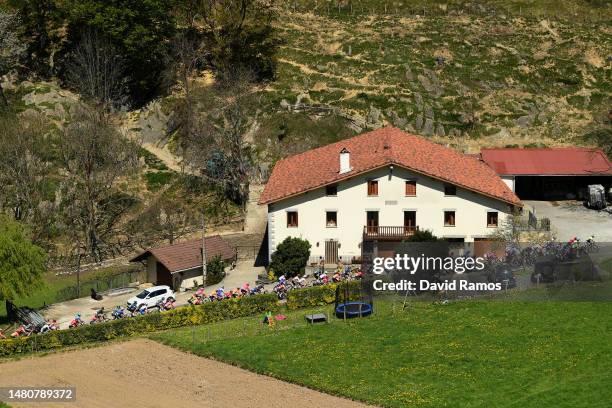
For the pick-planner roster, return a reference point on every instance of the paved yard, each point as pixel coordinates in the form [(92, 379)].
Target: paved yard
[(571, 219), (64, 312)]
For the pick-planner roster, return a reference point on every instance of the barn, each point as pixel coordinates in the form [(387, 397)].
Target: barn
[(550, 173), (180, 265)]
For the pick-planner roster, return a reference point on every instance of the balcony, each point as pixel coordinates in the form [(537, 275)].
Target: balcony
[(388, 233)]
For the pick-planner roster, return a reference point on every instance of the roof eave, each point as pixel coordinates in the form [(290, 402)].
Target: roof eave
[(387, 163)]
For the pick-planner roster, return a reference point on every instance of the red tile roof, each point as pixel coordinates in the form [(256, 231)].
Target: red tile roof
[(188, 254), (548, 161), (318, 167)]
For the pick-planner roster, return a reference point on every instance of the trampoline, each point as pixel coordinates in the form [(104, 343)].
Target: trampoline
[(353, 299), (353, 309)]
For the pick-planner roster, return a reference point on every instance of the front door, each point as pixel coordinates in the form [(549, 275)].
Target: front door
[(331, 252), (372, 222)]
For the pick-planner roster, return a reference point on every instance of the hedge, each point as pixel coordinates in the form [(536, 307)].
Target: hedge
[(183, 316), (318, 295)]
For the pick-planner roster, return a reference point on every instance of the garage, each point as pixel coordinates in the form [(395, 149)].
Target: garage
[(550, 173)]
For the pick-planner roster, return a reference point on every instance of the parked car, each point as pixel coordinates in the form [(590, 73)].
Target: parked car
[(596, 197), (151, 296)]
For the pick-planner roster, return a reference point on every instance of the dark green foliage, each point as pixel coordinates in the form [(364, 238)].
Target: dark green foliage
[(422, 236), (184, 316), (139, 31), (317, 295), (602, 138), (215, 270), (290, 257), (21, 263), (158, 179), (240, 35), (40, 20), (151, 160)]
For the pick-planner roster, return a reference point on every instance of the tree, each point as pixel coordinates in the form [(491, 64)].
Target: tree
[(11, 48), (240, 34), (97, 71), (290, 257), (215, 270), (95, 156), (422, 236), (22, 263), (602, 138), (139, 31), (215, 145), (25, 171), (40, 23)]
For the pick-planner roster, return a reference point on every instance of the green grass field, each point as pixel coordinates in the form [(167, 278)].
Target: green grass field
[(465, 354)]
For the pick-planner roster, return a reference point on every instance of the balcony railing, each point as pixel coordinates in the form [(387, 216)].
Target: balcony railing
[(388, 232)]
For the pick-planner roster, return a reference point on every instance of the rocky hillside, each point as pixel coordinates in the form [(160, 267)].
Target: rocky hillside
[(470, 73)]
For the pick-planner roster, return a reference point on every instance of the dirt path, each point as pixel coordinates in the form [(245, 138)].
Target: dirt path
[(144, 373)]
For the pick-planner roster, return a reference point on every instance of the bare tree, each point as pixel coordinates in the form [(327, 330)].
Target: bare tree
[(217, 148), (166, 219), (97, 71), (11, 47), (96, 157), (23, 169)]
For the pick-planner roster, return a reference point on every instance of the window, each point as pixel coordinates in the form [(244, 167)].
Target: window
[(331, 219), (331, 190), (143, 294), (411, 188), (449, 218), (450, 190), (372, 187), (292, 219), (492, 219)]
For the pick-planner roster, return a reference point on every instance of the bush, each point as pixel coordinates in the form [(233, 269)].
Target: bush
[(422, 236), (215, 271), (184, 316), (316, 295), (290, 257)]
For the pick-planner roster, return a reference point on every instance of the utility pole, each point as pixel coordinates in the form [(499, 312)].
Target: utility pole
[(203, 251), (78, 273)]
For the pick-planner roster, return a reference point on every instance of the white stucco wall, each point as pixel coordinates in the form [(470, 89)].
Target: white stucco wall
[(509, 180), (352, 203)]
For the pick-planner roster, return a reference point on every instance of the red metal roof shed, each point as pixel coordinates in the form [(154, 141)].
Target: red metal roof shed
[(571, 161)]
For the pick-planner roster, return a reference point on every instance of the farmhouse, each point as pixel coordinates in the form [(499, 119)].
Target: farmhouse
[(379, 188), (179, 265), (550, 173)]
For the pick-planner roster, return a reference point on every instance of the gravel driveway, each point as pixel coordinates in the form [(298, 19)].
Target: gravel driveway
[(571, 219)]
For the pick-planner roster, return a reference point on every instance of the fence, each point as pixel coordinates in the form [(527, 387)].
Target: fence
[(101, 284), (532, 223), (385, 306)]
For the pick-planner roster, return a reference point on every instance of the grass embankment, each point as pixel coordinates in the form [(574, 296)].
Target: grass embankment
[(465, 354), (58, 288)]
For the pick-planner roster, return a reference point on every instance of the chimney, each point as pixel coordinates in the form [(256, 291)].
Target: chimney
[(345, 161)]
